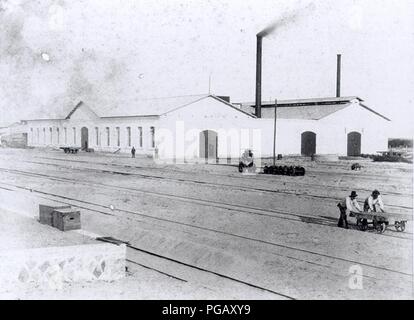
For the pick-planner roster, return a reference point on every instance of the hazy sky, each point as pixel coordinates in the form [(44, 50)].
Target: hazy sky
[(110, 52)]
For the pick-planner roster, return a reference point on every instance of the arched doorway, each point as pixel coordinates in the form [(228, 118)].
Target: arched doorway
[(354, 144), (84, 138), (308, 143), (208, 144)]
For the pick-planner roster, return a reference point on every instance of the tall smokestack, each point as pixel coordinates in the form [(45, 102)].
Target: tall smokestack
[(259, 76), (338, 76), (271, 28)]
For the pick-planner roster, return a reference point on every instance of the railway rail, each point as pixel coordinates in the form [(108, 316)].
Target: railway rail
[(87, 206), (237, 208), (237, 176), (226, 185), (218, 274), (202, 228), (309, 169)]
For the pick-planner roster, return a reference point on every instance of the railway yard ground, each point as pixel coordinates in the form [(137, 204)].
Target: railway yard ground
[(205, 231)]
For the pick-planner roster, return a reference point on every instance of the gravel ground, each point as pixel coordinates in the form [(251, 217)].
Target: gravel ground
[(283, 237)]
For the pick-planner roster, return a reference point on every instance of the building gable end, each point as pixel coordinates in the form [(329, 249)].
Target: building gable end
[(82, 112)]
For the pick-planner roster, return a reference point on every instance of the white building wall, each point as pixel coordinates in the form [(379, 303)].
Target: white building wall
[(373, 129), (177, 133), (331, 132), (101, 124)]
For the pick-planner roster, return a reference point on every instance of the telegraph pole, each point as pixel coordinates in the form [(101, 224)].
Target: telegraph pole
[(274, 135)]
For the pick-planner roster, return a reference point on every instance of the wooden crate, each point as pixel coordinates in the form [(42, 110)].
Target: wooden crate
[(46, 213), (66, 219)]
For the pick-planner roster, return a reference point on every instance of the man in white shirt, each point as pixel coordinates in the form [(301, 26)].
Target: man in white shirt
[(349, 204), (373, 202)]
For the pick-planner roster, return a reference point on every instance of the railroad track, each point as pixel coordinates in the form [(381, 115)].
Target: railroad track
[(218, 274), (198, 182), (86, 205), (239, 209), (199, 227), (170, 275), (262, 177)]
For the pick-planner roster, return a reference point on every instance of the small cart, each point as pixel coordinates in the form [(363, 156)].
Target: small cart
[(246, 162), (70, 149), (380, 220)]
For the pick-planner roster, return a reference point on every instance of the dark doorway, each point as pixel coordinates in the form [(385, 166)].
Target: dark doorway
[(308, 143), (208, 144), (84, 138), (354, 144), (25, 140)]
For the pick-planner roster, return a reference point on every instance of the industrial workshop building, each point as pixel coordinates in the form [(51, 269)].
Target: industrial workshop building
[(208, 126), (342, 125)]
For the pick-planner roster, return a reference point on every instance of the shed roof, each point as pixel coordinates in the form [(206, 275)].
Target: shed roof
[(311, 112), (308, 101), (307, 109)]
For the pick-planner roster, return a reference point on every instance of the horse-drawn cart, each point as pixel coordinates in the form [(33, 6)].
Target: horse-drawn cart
[(380, 220)]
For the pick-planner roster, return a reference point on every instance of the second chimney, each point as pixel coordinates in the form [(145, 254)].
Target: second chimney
[(338, 76)]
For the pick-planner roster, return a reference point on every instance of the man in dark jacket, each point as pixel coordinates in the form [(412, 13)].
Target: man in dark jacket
[(133, 152), (349, 204)]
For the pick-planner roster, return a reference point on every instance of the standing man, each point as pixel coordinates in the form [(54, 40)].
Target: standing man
[(349, 204), (133, 152)]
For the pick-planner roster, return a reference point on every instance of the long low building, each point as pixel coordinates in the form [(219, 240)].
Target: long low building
[(207, 126), (176, 127)]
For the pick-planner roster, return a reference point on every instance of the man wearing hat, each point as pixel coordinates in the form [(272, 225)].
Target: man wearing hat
[(347, 205)]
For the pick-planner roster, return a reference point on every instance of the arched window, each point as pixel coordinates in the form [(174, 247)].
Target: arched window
[(140, 143), (152, 132), (97, 136), (128, 130), (118, 136), (108, 136)]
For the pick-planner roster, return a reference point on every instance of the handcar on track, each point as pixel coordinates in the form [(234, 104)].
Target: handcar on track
[(380, 220)]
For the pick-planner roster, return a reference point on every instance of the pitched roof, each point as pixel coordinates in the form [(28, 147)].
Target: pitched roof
[(147, 107), (306, 109), (155, 106), (143, 107)]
